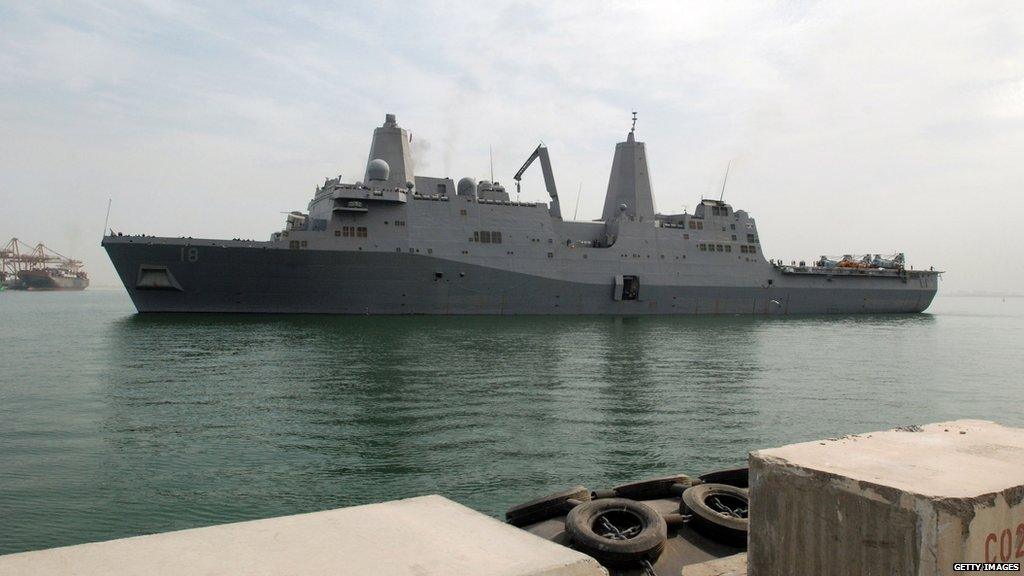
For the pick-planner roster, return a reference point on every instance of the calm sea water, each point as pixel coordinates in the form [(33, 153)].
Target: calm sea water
[(112, 424)]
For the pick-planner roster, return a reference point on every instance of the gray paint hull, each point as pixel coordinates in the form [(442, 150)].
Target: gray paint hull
[(266, 279)]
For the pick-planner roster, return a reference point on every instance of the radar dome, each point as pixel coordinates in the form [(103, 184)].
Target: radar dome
[(377, 169), (466, 187)]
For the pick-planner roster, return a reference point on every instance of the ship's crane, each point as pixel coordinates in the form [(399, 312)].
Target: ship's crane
[(549, 179)]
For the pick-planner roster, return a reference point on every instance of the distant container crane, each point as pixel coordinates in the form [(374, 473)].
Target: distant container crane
[(39, 268)]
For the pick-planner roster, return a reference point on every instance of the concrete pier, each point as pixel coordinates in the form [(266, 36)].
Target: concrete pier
[(910, 501), (422, 536)]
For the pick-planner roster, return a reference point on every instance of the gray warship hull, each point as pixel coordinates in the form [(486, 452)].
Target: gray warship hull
[(399, 243), (260, 278)]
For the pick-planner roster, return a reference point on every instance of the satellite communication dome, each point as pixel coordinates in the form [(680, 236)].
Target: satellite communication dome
[(466, 187), (377, 169)]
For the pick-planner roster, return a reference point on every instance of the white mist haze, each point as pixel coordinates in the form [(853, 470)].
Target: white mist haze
[(851, 127)]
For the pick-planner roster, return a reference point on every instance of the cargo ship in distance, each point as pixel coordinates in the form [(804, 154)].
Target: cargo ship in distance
[(39, 269), (400, 243)]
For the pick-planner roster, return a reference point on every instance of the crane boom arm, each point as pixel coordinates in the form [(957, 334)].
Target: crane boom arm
[(549, 178)]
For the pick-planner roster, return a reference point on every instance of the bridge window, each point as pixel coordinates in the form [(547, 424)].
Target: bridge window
[(361, 232), (751, 238), (696, 224)]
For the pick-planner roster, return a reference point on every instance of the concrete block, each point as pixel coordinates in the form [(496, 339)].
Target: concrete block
[(735, 565), (910, 501), (420, 536)]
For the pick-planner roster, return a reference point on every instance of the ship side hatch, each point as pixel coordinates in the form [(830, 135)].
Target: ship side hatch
[(626, 288)]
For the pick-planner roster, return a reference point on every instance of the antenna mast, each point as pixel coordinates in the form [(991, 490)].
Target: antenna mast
[(633, 128), (490, 152), (107, 219), (577, 210), (724, 180)]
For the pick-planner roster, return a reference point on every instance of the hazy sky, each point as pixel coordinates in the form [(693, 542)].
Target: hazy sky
[(852, 127)]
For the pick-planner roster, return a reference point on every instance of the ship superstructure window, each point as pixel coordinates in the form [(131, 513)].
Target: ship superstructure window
[(353, 232), (751, 238), (696, 224), (399, 222), (487, 236), (703, 247)]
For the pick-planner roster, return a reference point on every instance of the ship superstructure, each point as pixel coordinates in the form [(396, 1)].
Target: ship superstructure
[(400, 243)]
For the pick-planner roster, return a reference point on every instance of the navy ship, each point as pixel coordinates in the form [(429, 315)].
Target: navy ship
[(399, 243)]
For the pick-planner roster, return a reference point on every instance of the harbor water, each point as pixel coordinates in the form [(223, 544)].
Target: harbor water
[(114, 424)]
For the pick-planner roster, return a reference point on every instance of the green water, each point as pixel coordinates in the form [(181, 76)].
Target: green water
[(113, 424)]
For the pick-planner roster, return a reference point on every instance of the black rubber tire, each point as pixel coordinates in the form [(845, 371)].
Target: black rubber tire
[(720, 527), (739, 477), (545, 507), (646, 545), (651, 488)]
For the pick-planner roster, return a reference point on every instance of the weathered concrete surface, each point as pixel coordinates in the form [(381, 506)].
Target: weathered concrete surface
[(910, 501), (735, 565), (419, 536)]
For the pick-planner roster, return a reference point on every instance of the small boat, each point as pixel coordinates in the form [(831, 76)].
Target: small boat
[(651, 527)]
